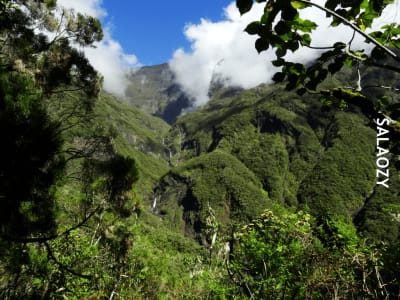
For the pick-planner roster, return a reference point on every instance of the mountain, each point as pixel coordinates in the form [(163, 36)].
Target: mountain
[(264, 147), (246, 150), (153, 90), (258, 185)]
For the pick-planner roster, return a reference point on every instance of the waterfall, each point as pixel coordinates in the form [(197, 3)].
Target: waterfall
[(154, 204)]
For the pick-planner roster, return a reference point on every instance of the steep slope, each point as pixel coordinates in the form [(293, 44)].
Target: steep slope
[(287, 147), (153, 90), (137, 135)]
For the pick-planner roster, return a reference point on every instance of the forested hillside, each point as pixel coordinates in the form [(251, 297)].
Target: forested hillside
[(263, 193)]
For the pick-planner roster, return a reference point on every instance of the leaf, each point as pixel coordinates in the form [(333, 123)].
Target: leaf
[(261, 45), (279, 77), (339, 45), (293, 45), (332, 4), (244, 5), (305, 25), (298, 5), (293, 82), (335, 67), (282, 27), (278, 62), (253, 28), (265, 17), (289, 13), (306, 40), (280, 52), (349, 61)]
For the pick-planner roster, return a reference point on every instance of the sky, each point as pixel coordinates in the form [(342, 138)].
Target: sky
[(154, 30), (200, 40)]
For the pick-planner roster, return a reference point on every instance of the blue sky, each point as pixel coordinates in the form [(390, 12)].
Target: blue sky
[(153, 30)]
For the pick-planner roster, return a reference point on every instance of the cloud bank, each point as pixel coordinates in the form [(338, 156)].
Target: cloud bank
[(223, 49), (108, 56)]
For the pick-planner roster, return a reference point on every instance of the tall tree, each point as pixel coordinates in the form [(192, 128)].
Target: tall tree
[(37, 59)]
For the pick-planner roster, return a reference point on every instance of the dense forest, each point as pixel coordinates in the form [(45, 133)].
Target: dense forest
[(283, 191)]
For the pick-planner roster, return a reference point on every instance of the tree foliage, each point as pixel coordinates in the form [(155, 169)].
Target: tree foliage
[(282, 28), (37, 59)]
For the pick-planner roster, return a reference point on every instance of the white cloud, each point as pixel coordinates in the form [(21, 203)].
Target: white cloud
[(89, 7), (220, 48), (108, 56), (223, 48)]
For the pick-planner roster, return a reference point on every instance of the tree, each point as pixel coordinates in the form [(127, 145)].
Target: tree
[(281, 28), (37, 59), (48, 90)]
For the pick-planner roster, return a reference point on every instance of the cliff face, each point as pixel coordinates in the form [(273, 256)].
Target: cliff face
[(153, 90)]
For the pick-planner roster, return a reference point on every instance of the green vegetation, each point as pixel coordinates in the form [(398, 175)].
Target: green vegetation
[(260, 194), (216, 180), (293, 256)]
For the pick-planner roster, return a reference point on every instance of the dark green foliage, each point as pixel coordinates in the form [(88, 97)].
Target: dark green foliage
[(100, 201), (216, 180), (293, 256), (344, 175), (136, 134), (297, 151), (31, 67), (29, 163), (378, 220)]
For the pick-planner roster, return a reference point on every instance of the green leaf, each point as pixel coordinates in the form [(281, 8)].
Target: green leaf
[(289, 13), (279, 77), (282, 27), (339, 45), (278, 62), (298, 4), (335, 67), (253, 28), (293, 45), (305, 25), (349, 61), (281, 52), (244, 5), (265, 18), (261, 45), (306, 40)]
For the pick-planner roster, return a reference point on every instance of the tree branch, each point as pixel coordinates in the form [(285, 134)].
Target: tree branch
[(51, 237), (354, 27), (62, 266)]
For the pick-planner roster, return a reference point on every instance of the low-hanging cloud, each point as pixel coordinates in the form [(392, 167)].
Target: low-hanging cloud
[(223, 49), (108, 57)]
